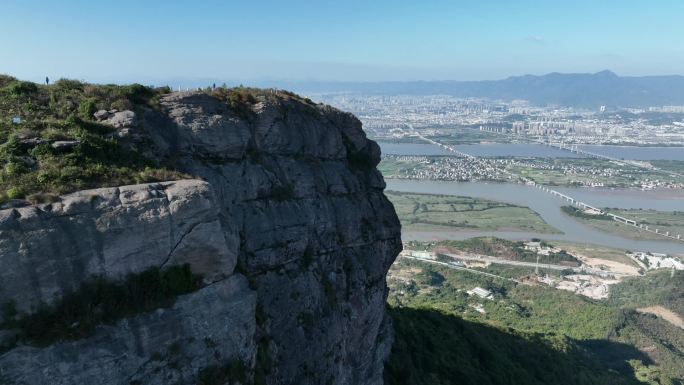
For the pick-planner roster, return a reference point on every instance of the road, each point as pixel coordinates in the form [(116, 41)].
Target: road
[(489, 259), (450, 266)]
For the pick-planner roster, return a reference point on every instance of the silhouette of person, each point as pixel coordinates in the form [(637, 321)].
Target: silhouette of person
[(47, 80)]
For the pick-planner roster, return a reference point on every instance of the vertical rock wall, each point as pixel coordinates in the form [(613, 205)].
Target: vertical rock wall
[(289, 227)]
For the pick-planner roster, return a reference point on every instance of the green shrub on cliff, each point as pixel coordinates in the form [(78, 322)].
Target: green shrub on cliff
[(64, 112)]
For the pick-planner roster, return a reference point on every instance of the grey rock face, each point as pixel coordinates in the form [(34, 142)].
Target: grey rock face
[(117, 119), (32, 142), (49, 250), (210, 327), (14, 203), (299, 192), (65, 144), (289, 198), (101, 115)]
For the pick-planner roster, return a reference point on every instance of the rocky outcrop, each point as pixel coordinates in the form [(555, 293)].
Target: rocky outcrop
[(49, 250), (290, 197), (299, 191), (202, 330), (116, 119)]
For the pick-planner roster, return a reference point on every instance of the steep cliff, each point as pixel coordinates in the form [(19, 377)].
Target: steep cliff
[(285, 223)]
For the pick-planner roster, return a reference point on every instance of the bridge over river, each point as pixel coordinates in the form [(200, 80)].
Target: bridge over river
[(582, 205)]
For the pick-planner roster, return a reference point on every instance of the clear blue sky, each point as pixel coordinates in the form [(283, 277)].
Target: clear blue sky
[(152, 41)]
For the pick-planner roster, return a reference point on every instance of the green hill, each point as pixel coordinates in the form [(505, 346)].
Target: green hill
[(528, 334), (433, 347)]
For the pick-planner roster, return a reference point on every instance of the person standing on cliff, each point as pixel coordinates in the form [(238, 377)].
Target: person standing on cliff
[(47, 80)]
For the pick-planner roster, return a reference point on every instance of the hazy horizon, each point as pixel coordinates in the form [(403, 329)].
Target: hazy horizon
[(190, 81), (325, 41)]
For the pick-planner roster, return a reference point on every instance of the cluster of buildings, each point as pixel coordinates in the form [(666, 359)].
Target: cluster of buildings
[(542, 126), (444, 168), (381, 114), (595, 174), (494, 169), (540, 248), (480, 292)]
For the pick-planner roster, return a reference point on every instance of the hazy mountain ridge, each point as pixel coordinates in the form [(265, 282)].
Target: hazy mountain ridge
[(575, 89)]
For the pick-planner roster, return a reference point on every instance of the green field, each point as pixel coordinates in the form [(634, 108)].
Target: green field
[(669, 165), (672, 222), (394, 168), (528, 334), (585, 171), (445, 212)]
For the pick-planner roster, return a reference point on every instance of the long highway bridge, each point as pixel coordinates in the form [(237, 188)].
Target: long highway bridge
[(574, 148), (582, 205)]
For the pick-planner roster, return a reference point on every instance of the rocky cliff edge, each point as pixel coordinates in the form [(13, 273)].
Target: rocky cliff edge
[(286, 224)]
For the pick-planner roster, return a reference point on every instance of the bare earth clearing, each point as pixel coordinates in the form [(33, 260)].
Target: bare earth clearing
[(664, 313)]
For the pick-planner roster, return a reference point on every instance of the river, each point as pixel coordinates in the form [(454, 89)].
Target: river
[(548, 206), (535, 150)]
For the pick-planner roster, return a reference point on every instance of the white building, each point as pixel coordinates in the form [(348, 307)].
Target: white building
[(422, 254), (480, 292)]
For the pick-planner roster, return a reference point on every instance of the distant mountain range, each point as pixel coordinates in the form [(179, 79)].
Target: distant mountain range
[(577, 90)]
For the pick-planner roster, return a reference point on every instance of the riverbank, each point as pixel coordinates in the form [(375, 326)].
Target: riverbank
[(548, 207), (429, 212), (671, 223)]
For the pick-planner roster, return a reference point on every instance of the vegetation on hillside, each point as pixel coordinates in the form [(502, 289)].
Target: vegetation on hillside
[(433, 347), (502, 248), (31, 167), (657, 287), (524, 334), (241, 98)]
